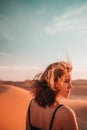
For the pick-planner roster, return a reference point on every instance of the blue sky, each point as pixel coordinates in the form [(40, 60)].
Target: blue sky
[(35, 33)]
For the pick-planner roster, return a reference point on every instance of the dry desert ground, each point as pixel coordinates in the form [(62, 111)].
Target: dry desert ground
[(14, 102)]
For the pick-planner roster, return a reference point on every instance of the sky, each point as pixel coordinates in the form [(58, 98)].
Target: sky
[(35, 33)]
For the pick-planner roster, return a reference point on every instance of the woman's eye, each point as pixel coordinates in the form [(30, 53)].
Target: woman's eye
[(66, 81)]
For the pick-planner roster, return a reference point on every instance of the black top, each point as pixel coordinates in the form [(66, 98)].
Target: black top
[(50, 127)]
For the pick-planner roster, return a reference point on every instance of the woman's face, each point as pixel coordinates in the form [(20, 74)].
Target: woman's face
[(65, 86)]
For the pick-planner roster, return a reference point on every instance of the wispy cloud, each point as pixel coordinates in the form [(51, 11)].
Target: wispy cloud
[(4, 55), (5, 31), (73, 20), (40, 12)]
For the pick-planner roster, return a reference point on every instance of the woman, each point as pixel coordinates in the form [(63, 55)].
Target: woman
[(45, 110)]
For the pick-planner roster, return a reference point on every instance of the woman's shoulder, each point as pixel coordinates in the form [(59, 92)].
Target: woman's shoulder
[(66, 118), (66, 111)]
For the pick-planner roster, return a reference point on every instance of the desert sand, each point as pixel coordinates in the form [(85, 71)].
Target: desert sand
[(13, 107), (14, 102)]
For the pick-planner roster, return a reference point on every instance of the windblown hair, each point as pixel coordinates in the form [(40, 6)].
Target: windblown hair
[(43, 88)]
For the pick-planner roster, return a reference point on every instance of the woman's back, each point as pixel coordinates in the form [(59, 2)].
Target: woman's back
[(41, 119)]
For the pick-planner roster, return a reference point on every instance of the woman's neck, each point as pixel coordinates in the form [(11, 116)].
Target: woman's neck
[(57, 102)]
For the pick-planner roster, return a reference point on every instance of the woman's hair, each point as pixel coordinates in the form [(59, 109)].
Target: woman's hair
[(43, 88)]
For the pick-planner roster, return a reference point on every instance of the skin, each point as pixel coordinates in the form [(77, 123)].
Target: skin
[(68, 118), (65, 86)]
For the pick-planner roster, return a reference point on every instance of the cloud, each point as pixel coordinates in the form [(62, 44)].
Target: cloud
[(5, 33), (40, 12), (4, 56), (74, 20), (5, 30)]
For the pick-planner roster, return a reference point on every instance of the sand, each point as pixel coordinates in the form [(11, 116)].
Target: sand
[(14, 103), (13, 107)]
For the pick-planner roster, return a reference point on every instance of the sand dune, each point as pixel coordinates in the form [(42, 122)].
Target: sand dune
[(79, 90), (13, 107), (14, 103)]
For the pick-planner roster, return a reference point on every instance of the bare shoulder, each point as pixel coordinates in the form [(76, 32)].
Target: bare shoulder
[(67, 111), (67, 118)]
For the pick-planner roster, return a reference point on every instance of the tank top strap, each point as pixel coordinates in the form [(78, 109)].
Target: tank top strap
[(52, 119)]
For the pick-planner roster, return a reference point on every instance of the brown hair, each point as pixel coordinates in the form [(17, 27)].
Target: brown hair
[(44, 89)]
